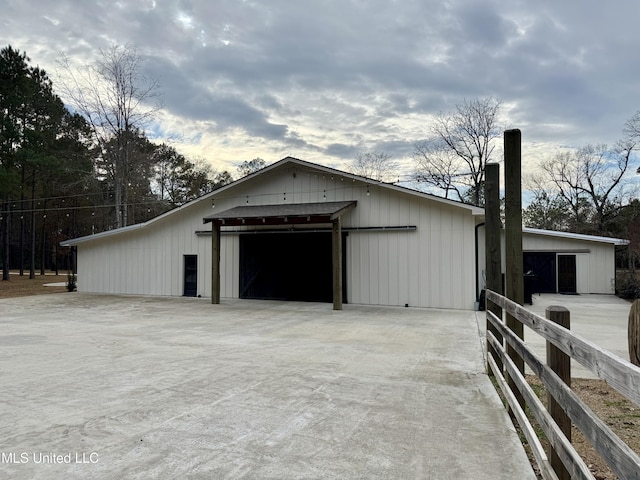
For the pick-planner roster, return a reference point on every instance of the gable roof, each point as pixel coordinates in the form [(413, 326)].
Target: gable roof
[(287, 160)]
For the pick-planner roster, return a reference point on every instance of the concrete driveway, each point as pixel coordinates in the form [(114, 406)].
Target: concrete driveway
[(602, 319), (138, 388)]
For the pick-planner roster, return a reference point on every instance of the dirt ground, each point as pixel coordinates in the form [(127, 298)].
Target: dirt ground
[(622, 416), (20, 286)]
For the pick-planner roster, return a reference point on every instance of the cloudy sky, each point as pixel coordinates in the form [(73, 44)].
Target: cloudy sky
[(323, 80)]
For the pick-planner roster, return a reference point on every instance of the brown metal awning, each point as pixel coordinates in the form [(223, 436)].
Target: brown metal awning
[(282, 214)]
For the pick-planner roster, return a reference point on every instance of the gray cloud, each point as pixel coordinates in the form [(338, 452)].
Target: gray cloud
[(331, 78), (200, 100), (343, 151)]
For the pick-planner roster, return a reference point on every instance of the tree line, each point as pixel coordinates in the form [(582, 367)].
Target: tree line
[(88, 166), (72, 170)]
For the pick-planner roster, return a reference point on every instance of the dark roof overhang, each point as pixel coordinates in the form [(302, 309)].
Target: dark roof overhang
[(281, 214)]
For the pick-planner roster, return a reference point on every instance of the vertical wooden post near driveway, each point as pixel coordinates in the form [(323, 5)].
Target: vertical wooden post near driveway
[(560, 363), (493, 251), (514, 268), (215, 262), (337, 263), (633, 332)]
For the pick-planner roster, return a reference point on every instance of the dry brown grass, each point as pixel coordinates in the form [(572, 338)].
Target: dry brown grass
[(22, 285), (621, 415)]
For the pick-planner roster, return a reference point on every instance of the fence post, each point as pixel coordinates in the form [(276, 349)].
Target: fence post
[(514, 285), (560, 363), (493, 251), (634, 333)]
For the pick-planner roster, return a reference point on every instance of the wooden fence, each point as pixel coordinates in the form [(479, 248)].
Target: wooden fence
[(620, 374)]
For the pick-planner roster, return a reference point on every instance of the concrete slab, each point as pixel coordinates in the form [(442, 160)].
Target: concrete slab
[(131, 387), (602, 319)]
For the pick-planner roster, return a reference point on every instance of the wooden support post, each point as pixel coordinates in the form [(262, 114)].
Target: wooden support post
[(514, 269), (337, 264), (215, 263), (493, 251), (6, 244), (560, 363), (633, 333)]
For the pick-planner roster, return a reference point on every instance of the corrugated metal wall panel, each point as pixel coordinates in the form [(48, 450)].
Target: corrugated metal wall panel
[(426, 267), (386, 283), (583, 273), (430, 267), (602, 268), (410, 278)]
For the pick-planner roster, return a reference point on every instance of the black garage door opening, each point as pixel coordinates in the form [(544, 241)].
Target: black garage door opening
[(287, 266), (543, 266)]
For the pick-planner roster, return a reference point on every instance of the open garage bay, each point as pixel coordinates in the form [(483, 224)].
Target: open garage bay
[(131, 387)]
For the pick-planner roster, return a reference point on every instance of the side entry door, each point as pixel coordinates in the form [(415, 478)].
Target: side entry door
[(190, 276), (567, 281)]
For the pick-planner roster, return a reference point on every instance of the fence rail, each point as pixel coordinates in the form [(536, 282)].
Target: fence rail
[(620, 374)]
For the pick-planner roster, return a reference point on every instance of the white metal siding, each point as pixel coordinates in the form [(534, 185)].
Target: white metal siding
[(432, 266), (583, 274), (149, 261)]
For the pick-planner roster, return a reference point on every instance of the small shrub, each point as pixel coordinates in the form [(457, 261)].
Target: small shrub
[(628, 286), (71, 282)]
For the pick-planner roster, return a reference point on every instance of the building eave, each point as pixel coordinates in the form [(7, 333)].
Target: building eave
[(576, 236), (75, 241)]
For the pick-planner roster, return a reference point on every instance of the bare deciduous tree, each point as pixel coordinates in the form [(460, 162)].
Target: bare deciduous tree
[(118, 101), (547, 209), (632, 132), (438, 167), (376, 165), (462, 144), (591, 176)]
